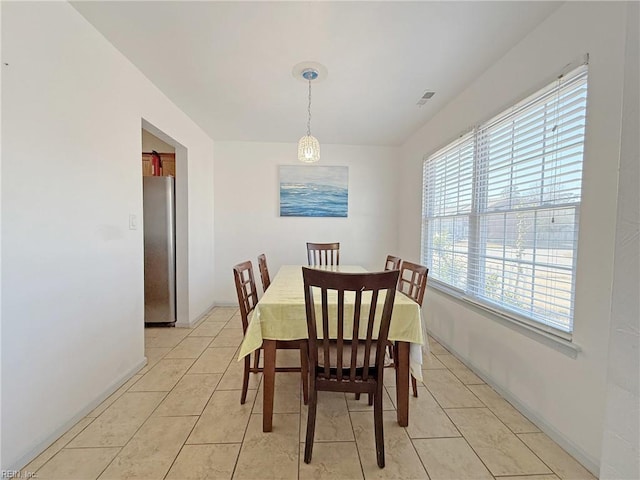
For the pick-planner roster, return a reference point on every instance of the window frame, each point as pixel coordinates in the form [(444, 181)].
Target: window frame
[(474, 266)]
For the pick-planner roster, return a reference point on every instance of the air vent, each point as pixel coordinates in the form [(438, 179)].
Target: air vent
[(426, 96)]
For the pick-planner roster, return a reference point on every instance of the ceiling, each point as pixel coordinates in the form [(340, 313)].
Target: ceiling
[(228, 65)]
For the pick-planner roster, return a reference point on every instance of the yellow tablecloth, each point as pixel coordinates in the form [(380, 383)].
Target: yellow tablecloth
[(280, 315)]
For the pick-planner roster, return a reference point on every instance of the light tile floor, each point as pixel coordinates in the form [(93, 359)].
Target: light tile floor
[(180, 418)]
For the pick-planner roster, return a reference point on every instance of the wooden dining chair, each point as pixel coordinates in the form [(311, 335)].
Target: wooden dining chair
[(392, 263), (353, 360), (323, 253), (413, 283), (264, 272), (247, 301)]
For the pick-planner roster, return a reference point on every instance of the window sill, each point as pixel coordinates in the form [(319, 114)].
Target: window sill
[(562, 345)]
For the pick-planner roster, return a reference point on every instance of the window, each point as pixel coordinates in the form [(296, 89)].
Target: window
[(501, 208)]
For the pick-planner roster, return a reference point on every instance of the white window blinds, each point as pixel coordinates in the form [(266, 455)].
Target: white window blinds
[(449, 187), (501, 207)]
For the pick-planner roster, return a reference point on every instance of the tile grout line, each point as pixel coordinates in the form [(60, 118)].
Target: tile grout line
[(246, 427), (160, 403), (92, 420), (411, 440), (121, 447), (199, 415), (63, 447), (145, 420), (499, 420), (355, 439), (228, 324), (181, 447), (456, 426), (115, 399), (416, 450), (154, 410)]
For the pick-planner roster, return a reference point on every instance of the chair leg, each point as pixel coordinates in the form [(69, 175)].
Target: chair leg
[(304, 371), (379, 431), (370, 398), (245, 379), (256, 360), (414, 385), (311, 422), (395, 365)]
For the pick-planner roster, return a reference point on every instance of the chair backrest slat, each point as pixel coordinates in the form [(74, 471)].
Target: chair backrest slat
[(323, 253), (413, 281), (355, 335), (326, 337), (368, 342), (340, 339)]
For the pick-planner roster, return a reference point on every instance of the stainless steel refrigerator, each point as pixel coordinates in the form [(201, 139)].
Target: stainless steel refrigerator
[(159, 249)]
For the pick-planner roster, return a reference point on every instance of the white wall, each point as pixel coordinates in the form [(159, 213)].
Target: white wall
[(621, 443), (0, 248), (72, 289), (565, 396), (247, 215)]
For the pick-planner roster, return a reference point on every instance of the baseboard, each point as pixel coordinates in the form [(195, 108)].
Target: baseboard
[(198, 319), (580, 455), (57, 433)]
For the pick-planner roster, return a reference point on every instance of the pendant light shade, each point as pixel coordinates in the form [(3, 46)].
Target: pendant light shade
[(308, 149), (308, 146)]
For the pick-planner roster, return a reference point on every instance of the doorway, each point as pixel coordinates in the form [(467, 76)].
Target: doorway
[(169, 159)]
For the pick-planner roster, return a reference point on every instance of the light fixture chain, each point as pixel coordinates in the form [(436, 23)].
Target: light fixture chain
[(309, 110), (308, 146)]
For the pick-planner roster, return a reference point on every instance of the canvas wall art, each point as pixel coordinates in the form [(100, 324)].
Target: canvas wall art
[(314, 191)]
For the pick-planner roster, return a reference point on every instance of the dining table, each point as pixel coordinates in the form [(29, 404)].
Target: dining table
[(281, 315)]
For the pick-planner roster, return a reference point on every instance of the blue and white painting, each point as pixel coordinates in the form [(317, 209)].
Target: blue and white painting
[(311, 191)]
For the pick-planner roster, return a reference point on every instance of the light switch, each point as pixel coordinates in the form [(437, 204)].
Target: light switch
[(133, 222)]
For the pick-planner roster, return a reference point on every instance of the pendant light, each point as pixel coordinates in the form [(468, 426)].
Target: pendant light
[(308, 146)]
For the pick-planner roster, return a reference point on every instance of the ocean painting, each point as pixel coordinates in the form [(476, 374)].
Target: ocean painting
[(311, 191)]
